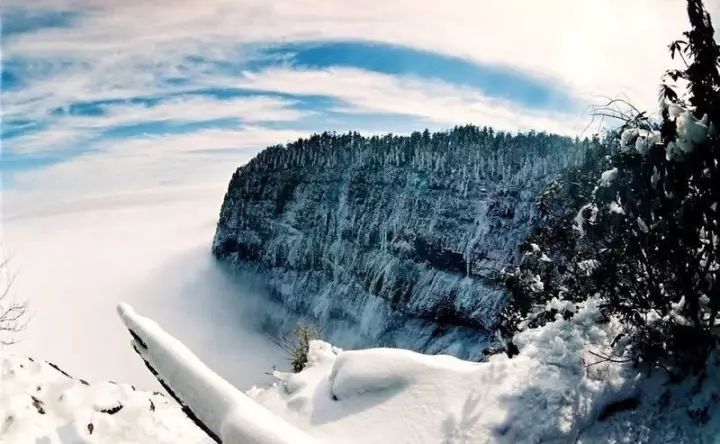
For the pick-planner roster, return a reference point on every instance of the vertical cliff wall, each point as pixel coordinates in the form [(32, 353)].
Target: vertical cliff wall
[(389, 240)]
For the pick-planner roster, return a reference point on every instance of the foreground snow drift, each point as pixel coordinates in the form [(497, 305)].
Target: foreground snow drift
[(557, 389), (546, 393), (40, 404), (223, 412), (551, 391)]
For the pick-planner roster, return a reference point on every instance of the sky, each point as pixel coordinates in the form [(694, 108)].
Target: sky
[(103, 97)]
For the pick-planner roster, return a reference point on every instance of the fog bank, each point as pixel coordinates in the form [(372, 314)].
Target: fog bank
[(75, 262)]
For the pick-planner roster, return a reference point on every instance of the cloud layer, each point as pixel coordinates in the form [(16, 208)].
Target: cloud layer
[(146, 90)]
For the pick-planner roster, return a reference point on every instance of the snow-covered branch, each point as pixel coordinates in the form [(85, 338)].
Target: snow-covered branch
[(223, 412)]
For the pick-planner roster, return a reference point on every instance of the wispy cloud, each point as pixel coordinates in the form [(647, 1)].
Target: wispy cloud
[(434, 102), (206, 157), (87, 82), (494, 81), (68, 125), (591, 48)]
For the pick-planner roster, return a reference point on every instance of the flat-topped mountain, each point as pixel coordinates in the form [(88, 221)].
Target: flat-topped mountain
[(391, 240)]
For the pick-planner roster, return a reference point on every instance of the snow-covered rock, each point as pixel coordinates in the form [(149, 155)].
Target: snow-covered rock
[(222, 411), (40, 404), (389, 240)]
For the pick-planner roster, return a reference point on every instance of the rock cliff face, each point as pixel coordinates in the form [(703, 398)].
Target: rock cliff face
[(389, 240)]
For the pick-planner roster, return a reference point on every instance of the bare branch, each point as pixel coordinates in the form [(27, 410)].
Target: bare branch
[(606, 359), (13, 314)]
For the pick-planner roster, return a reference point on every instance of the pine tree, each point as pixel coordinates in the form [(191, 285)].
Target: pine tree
[(647, 240)]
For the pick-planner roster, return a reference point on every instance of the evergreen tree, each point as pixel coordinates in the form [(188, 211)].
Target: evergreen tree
[(646, 241)]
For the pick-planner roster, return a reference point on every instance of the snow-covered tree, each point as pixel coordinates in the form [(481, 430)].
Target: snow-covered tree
[(646, 240)]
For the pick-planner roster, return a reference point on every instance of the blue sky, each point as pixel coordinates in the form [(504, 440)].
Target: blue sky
[(138, 94)]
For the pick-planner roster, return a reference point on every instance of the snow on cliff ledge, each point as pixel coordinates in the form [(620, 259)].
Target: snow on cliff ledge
[(40, 404), (558, 389)]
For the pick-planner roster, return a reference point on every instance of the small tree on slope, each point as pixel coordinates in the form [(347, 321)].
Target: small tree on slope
[(13, 314), (647, 239)]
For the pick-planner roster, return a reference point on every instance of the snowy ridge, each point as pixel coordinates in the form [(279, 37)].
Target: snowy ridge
[(223, 412)]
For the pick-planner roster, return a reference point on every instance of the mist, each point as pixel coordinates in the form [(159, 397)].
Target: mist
[(74, 262)]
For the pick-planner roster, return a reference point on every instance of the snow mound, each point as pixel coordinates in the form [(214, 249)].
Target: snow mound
[(355, 373), (550, 392), (41, 404)]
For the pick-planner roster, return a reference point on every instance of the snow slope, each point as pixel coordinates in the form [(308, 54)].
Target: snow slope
[(43, 405), (545, 394), (557, 389)]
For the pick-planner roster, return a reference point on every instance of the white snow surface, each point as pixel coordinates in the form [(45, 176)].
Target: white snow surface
[(41, 405), (553, 391), (546, 393), (227, 412)]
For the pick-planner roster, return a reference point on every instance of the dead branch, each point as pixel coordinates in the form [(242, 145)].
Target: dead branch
[(604, 358), (13, 314)]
